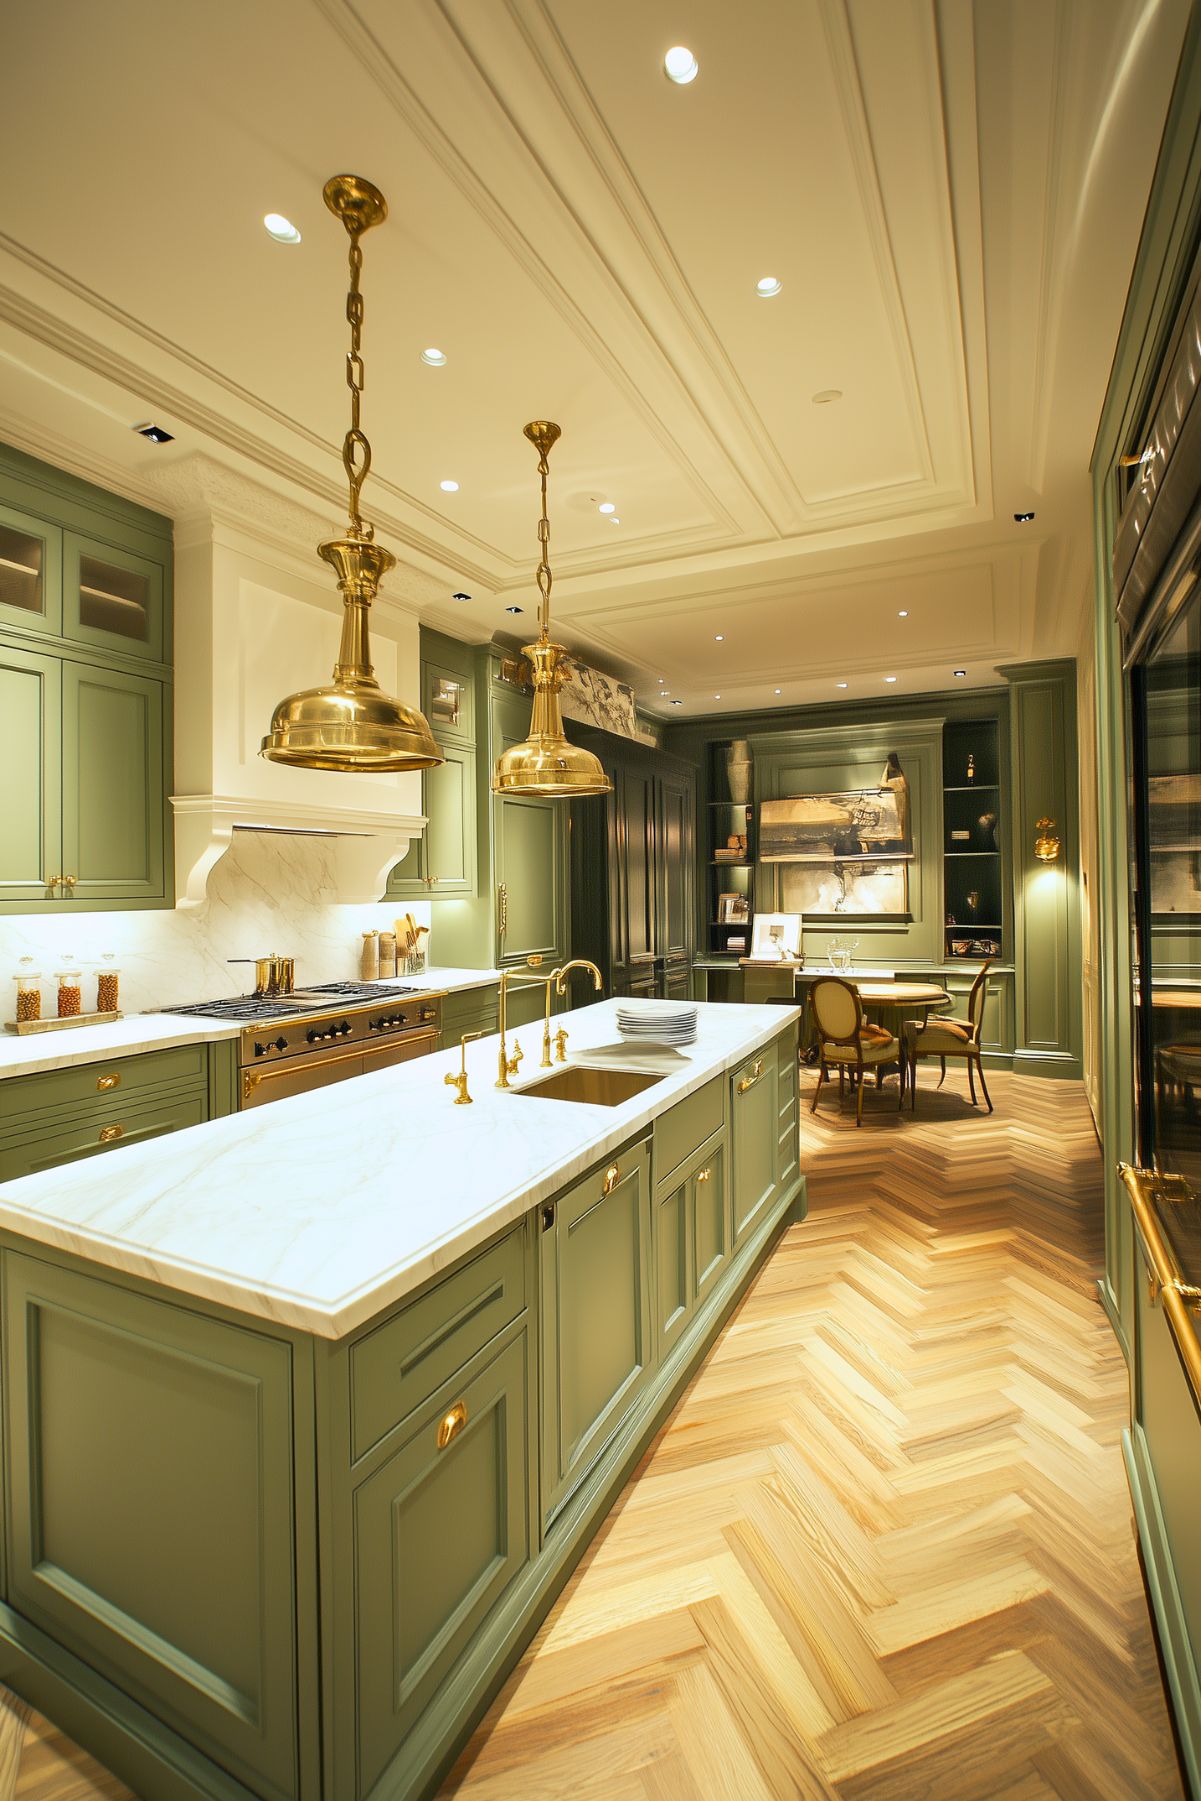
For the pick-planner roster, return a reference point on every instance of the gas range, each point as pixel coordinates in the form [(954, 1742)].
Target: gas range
[(291, 1043)]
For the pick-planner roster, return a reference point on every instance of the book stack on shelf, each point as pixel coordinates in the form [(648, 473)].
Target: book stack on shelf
[(972, 860)]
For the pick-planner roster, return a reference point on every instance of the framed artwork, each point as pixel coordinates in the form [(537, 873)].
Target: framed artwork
[(838, 888), (776, 937), (732, 909), (849, 826)]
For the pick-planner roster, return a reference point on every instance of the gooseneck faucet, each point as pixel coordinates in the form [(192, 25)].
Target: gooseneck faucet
[(506, 1065), (560, 976)]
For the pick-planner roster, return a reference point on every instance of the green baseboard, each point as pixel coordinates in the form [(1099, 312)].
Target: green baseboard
[(1063, 1066), (1184, 1686)]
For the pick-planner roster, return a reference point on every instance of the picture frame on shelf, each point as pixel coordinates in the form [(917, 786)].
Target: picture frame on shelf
[(776, 938), (732, 909)]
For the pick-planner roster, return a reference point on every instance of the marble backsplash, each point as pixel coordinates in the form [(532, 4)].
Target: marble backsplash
[(270, 892)]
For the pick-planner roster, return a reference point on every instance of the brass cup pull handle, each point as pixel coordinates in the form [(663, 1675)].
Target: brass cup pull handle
[(612, 1178), (108, 1134), (110, 1081), (704, 1175), (68, 881), (749, 1081), (451, 1424)]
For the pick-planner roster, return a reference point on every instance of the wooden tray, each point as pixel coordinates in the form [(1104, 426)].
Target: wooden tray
[(22, 1026)]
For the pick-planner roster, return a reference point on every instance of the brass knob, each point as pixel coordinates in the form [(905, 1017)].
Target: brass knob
[(109, 1133), (109, 1081), (451, 1424), (612, 1177), (704, 1175)]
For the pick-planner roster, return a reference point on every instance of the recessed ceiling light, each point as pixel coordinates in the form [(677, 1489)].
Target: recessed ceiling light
[(607, 506), (514, 609), (460, 596), (777, 690), (660, 678), (768, 286), (959, 672), (680, 66), (890, 678), (1022, 518), (903, 614), (825, 396), (842, 684), (434, 357), (158, 434), (677, 703), (281, 229), (719, 638), (613, 519), (449, 487), (664, 691), (717, 697)]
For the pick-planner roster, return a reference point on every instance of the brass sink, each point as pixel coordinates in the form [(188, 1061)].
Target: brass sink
[(592, 1087)]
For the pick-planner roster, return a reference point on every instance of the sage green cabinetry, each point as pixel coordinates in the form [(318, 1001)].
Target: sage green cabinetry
[(469, 1010), (85, 695), (91, 1109), (693, 1238), (597, 1338), (754, 1137), (440, 1531), (149, 1508), (444, 860)]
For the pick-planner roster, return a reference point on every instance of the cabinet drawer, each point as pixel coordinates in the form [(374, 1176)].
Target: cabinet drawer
[(399, 1365), (97, 1133), (682, 1130), (97, 1082)]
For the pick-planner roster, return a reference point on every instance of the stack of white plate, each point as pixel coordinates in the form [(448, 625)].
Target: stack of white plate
[(657, 1022)]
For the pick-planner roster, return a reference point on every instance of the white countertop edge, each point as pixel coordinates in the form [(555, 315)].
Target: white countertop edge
[(338, 1316)]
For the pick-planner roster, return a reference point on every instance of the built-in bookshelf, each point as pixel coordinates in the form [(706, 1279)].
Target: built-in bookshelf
[(731, 888), (972, 862)]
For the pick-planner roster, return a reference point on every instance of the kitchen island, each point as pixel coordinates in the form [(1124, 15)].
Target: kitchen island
[(309, 1412)]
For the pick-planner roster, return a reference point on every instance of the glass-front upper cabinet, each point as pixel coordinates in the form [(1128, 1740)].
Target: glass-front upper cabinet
[(112, 598), (30, 572), (1166, 694)]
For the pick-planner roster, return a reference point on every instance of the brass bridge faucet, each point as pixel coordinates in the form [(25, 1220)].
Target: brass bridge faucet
[(459, 1081), (507, 1066)]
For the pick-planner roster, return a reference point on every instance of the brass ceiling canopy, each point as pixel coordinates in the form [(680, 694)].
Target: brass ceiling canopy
[(352, 724), (546, 764)]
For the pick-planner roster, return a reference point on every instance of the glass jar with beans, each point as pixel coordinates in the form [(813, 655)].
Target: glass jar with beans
[(70, 991), (108, 984), (29, 991)]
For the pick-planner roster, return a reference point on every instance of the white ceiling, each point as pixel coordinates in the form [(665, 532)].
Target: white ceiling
[(950, 193)]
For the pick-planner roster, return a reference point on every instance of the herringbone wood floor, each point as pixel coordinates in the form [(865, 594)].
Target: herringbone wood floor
[(883, 1547)]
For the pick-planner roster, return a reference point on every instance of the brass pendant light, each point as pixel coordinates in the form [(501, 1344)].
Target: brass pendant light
[(546, 764), (352, 724)]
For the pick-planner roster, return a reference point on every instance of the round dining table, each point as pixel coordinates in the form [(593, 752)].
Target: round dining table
[(893, 1002)]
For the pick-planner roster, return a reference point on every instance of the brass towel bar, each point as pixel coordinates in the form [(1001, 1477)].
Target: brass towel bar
[(1180, 1299)]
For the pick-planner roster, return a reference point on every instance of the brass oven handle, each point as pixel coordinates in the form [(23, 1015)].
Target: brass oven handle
[(749, 1081), (1180, 1298), (451, 1424), (112, 1080), (612, 1178), (109, 1133), (252, 1077)]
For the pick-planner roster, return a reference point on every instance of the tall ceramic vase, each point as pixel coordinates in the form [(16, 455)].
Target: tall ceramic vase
[(738, 771)]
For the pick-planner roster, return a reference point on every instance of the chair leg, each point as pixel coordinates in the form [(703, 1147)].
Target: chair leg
[(821, 1076), (971, 1080), (859, 1087), (983, 1083), (901, 1083), (942, 1078), (913, 1081)]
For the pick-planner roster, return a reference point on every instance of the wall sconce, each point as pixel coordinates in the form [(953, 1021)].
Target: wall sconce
[(1046, 844)]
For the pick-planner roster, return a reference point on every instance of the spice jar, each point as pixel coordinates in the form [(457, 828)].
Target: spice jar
[(387, 954), (108, 984), (29, 991), (369, 957), (70, 992)]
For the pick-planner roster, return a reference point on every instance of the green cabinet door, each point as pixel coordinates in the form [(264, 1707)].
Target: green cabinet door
[(713, 1231), (31, 588), (674, 1265), (440, 1530), (530, 874), (754, 1138), (597, 1332), (107, 1129), (112, 599), (444, 860), (31, 786), (149, 1507), (113, 826), (675, 860)]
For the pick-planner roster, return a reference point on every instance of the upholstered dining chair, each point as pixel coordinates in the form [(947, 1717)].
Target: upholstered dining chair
[(845, 1041), (943, 1038)]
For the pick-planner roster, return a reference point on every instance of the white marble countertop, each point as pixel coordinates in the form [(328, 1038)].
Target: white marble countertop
[(37, 1051), (322, 1209)]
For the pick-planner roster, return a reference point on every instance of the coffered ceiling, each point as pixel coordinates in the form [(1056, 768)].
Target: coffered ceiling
[(949, 193)]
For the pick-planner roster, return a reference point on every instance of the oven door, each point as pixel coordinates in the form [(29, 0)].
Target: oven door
[(302, 1074)]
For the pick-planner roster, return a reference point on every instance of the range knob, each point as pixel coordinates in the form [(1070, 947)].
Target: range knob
[(260, 1050), (281, 1044), (344, 1029), (428, 1013)]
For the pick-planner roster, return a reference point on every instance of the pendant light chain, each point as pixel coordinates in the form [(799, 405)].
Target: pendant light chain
[(355, 442), (544, 575)]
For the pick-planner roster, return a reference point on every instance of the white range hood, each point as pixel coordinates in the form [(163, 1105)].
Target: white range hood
[(257, 616)]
